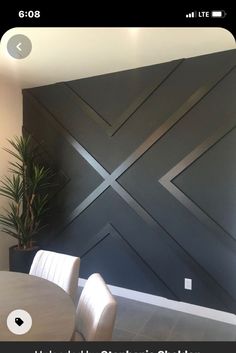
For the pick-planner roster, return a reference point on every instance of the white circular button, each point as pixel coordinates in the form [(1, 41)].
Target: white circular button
[(19, 46), (19, 322)]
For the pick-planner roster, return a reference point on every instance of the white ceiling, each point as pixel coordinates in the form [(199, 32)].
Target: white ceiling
[(62, 54)]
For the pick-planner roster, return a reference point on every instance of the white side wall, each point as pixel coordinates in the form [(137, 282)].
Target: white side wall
[(10, 125)]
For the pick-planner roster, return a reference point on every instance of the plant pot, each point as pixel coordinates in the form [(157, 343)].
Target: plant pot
[(20, 260)]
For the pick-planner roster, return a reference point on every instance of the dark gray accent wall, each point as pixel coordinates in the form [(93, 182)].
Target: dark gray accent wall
[(147, 162)]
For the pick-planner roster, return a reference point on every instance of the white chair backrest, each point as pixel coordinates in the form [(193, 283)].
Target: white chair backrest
[(96, 310), (61, 269)]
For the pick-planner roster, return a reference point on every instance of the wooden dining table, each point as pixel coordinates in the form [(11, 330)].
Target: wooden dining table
[(50, 307)]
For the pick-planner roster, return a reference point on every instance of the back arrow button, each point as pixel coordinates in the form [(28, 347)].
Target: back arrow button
[(19, 46)]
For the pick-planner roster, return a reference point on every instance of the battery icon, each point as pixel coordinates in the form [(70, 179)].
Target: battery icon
[(218, 14)]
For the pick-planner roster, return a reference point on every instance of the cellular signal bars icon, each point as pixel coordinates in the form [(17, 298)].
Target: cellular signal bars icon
[(191, 14)]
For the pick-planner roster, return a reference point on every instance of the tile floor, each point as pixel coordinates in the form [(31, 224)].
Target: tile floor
[(144, 322)]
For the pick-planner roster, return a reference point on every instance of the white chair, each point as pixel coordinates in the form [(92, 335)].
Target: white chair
[(61, 269), (96, 311)]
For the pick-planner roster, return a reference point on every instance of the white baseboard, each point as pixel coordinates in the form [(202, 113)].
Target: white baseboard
[(171, 304)]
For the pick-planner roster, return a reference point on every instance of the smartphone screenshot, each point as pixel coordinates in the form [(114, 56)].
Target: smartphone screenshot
[(117, 181)]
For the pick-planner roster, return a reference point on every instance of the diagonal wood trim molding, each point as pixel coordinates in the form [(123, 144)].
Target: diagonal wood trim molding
[(167, 180), (114, 203)]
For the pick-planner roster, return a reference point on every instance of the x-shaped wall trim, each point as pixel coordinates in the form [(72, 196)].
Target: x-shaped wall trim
[(110, 179)]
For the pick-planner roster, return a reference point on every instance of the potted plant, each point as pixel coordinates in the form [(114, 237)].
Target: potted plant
[(26, 188)]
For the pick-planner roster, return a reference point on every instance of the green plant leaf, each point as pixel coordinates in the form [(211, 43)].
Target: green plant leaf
[(27, 189), (7, 231)]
